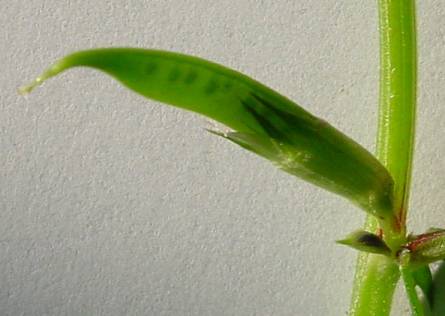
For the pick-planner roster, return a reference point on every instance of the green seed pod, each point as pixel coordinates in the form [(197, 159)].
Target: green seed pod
[(262, 120)]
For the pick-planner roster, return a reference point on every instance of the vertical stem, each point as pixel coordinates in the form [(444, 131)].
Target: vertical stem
[(410, 286), (377, 276), (395, 139), (375, 281), (417, 309)]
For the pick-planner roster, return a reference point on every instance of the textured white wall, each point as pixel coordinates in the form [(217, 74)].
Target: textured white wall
[(111, 204)]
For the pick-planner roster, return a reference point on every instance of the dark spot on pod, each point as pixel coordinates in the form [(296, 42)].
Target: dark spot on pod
[(150, 68), (371, 240), (190, 77), (174, 74), (211, 86)]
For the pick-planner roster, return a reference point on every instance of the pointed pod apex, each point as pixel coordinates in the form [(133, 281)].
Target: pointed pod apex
[(55, 69), (365, 241)]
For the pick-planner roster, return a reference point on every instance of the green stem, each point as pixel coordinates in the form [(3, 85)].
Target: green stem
[(397, 96), (410, 286), (375, 281), (417, 307), (376, 276)]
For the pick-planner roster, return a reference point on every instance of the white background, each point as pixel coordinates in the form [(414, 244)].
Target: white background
[(111, 204)]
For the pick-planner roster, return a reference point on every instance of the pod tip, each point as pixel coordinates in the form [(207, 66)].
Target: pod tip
[(28, 88), (52, 71)]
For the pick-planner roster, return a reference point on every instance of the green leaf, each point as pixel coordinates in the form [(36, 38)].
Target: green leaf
[(366, 241), (261, 120)]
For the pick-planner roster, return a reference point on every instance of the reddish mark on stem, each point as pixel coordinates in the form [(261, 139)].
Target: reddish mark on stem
[(379, 233), (399, 220)]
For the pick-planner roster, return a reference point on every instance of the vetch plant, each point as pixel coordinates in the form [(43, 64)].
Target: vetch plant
[(272, 126)]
